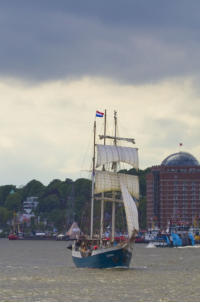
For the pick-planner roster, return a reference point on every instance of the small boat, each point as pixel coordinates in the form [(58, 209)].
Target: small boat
[(74, 232), (151, 234), (112, 187), (140, 238), (60, 237), (176, 237), (13, 237), (174, 240)]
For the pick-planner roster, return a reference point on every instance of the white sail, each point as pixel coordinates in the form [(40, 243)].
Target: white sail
[(130, 210), (109, 181), (73, 231), (112, 153)]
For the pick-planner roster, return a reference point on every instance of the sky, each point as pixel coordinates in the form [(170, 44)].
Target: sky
[(60, 61)]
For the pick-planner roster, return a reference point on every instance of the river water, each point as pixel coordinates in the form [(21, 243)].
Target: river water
[(43, 271)]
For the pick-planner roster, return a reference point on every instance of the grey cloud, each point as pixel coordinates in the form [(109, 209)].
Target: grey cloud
[(128, 40), (170, 132)]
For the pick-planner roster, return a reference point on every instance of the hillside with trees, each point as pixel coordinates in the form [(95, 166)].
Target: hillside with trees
[(60, 203)]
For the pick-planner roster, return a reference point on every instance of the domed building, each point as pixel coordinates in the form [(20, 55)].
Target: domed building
[(173, 192), (180, 159)]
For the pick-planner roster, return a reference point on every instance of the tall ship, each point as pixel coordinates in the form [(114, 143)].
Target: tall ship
[(110, 186)]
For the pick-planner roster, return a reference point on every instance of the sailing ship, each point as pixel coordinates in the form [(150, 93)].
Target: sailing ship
[(108, 185)]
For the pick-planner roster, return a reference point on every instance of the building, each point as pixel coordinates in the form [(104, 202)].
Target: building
[(173, 192), (30, 204)]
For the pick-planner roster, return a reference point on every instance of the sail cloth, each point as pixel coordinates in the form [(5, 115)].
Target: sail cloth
[(130, 210), (113, 153), (109, 181)]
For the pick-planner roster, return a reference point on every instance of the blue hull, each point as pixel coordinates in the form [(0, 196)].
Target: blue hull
[(115, 258), (176, 240)]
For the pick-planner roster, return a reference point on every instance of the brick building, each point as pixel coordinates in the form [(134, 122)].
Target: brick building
[(173, 192)]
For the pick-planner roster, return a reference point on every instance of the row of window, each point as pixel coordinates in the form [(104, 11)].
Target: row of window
[(170, 197), (179, 207), (179, 190), (179, 195), (175, 184), (183, 170)]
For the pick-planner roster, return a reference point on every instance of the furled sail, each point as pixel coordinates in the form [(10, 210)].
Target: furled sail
[(113, 153), (109, 181), (130, 210)]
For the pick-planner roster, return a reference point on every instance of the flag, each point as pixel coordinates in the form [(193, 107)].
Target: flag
[(99, 114), (180, 144)]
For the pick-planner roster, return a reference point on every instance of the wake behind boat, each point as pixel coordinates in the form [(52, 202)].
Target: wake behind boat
[(117, 188)]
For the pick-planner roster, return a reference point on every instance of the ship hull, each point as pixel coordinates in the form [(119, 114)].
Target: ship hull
[(107, 259)]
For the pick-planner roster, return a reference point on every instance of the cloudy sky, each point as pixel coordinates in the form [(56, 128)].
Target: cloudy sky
[(60, 61)]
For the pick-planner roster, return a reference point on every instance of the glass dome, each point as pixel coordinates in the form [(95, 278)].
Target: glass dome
[(180, 159)]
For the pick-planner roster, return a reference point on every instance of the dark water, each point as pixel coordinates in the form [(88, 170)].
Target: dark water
[(43, 271)]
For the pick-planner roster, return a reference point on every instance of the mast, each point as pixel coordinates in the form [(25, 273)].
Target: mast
[(115, 128), (93, 181), (102, 195), (115, 169)]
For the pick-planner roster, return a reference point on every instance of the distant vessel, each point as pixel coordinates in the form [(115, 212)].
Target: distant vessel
[(109, 185), (13, 237), (73, 232), (175, 236)]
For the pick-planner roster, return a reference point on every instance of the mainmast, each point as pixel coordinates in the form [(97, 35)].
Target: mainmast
[(93, 182), (115, 170), (102, 195)]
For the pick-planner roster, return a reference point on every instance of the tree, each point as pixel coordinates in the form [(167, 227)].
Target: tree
[(14, 202), (5, 215), (33, 188), (4, 192), (142, 212), (48, 203), (82, 188), (58, 218)]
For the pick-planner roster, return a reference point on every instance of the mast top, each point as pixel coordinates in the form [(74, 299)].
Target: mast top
[(117, 138)]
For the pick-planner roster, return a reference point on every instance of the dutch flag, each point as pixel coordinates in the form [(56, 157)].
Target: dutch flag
[(99, 114)]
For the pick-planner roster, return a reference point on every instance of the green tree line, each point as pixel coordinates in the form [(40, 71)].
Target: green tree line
[(62, 202)]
